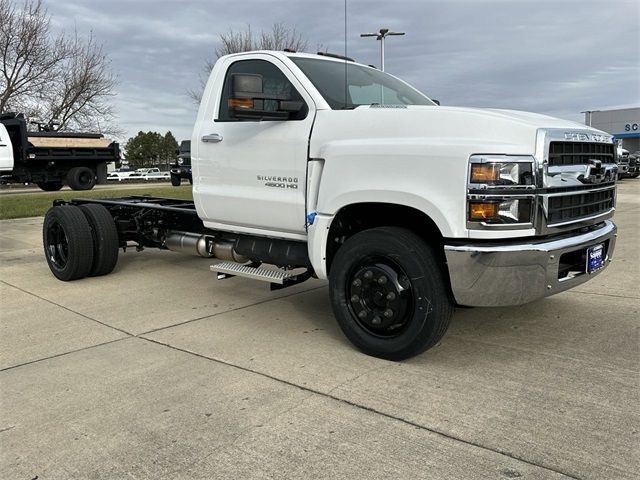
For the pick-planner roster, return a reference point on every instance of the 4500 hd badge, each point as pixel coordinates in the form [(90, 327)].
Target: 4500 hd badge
[(278, 182)]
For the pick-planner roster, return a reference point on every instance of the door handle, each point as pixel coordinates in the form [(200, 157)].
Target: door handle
[(212, 138)]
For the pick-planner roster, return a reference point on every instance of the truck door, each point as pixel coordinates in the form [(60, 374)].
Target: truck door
[(250, 174), (6, 150)]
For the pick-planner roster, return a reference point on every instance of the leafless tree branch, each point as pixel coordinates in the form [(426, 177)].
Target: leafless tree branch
[(53, 76), (278, 38)]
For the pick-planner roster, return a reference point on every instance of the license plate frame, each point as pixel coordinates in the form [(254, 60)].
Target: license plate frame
[(595, 258)]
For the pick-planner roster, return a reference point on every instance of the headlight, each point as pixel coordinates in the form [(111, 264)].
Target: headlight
[(500, 171), (500, 211)]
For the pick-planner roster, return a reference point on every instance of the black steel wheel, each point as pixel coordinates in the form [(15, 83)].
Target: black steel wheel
[(389, 293), (50, 186), (380, 296), (81, 178), (175, 180), (105, 238), (68, 243)]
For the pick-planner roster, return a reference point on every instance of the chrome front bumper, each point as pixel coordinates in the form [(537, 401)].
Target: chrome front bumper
[(491, 275)]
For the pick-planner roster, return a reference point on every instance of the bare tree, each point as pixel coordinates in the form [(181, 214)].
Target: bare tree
[(52, 76), (31, 55), (278, 38), (80, 95)]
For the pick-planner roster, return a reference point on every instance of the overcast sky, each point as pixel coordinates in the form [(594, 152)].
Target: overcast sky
[(554, 57)]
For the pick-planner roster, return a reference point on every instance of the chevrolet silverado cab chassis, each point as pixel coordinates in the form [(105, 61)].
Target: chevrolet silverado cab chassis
[(317, 166)]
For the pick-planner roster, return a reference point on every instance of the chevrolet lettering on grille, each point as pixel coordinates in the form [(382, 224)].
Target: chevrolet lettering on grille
[(585, 137)]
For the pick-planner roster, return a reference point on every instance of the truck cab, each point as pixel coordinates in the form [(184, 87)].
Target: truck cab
[(6, 150)]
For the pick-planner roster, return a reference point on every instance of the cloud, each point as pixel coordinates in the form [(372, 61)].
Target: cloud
[(553, 57)]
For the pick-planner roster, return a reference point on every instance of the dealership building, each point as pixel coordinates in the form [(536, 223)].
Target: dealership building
[(623, 124)]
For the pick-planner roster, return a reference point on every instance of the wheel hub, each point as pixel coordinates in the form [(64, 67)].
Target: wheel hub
[(379, 296), (57, 245)]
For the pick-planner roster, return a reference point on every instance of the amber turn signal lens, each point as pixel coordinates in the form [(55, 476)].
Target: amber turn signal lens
[(485, 172), (240, 103), (483, 211)]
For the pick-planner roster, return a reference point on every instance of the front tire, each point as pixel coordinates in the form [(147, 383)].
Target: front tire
[(389, 293), (68, 243)]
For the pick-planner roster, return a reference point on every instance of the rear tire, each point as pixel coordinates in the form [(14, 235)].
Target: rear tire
[(81, 178), (105, 239), (389, 293), (68, 243), (175, 180), (50, 186)]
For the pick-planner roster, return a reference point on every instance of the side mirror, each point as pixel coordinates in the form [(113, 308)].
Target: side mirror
[(246, 84), (437, 102), (248, 101)]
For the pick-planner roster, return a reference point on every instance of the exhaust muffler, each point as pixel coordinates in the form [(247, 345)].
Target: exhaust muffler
[(203, 245)]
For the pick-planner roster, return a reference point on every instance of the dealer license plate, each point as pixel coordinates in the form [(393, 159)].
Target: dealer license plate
[(595, 258)]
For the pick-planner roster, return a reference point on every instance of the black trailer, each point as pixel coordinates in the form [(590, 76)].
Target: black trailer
[(52, 159)]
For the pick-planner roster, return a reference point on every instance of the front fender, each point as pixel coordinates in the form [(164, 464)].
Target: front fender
[(433, 184)]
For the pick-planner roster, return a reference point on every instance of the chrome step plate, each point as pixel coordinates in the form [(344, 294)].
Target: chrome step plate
[(257, 273)]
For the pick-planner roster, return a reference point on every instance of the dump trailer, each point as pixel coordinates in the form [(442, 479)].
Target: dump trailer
[(53, 159)]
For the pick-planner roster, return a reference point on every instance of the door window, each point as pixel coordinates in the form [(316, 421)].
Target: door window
[(273, 82)]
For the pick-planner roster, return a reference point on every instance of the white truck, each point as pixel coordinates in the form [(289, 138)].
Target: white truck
[(320, 167)]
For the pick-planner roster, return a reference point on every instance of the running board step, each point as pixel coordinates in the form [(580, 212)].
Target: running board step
[(227, 269)]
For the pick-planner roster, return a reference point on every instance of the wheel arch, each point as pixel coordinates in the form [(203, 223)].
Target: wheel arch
[(356, 217)]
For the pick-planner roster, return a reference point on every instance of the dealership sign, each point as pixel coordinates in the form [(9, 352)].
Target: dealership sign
[(632, 127)]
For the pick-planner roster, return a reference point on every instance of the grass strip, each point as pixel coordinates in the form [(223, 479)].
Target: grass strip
[(36, 204)]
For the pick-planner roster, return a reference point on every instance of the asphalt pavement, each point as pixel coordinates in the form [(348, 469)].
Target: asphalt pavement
[(159, 371)]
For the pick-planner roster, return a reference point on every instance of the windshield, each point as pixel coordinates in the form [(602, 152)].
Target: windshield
[(365, 86)]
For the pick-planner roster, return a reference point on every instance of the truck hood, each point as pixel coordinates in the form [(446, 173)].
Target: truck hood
[(480, 130), (535, 120), (527, 118)]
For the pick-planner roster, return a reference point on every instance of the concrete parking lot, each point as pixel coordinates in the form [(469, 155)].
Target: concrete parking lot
[(158, 371)]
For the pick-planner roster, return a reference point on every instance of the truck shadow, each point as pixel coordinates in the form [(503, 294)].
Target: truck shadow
[(538, 327)]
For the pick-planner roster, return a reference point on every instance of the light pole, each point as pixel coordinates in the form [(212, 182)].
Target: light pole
[(588, 116), (384, 32)]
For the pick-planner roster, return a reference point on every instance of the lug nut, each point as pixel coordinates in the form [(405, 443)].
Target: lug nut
[(388, 313), (362, 314), (355, 298), (357, 282), (391, 296), (368, 274), (376, 320), (382, 280)]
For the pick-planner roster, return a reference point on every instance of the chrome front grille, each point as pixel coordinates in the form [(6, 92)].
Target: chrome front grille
[(576, 179), (580, 153), (577, 206)]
